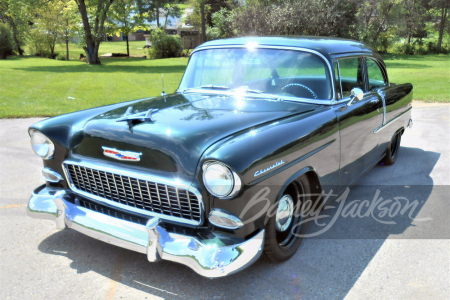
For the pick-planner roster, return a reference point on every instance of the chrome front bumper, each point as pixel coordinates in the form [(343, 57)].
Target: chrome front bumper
[(209, 260)]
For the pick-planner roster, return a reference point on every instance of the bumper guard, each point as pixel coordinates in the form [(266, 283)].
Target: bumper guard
[(209, 260)]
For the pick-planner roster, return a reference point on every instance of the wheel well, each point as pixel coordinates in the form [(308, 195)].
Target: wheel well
[(314, 185)]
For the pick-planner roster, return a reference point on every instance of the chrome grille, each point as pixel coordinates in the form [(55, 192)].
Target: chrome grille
[(156, 198)]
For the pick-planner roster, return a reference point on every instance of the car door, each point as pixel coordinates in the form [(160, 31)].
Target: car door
[(358, 119)]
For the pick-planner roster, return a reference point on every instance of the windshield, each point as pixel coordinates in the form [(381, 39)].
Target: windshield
[(285, 73)]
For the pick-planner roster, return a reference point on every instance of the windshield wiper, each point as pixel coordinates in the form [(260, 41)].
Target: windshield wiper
[(258, 93), (244, 90), (215, 87), (206, 87), (247, 90)]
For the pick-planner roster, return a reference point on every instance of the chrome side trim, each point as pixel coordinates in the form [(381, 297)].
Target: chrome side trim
[(391, 121), (290, 164), (330, 70), (145, 177), (152, 239)]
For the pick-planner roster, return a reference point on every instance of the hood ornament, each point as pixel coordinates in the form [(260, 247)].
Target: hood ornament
[(121, 155), (140, 116)]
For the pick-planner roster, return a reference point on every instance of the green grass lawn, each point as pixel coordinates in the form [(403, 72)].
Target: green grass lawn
[(31, 87), (430, 75), (136, 48), (42, 87)]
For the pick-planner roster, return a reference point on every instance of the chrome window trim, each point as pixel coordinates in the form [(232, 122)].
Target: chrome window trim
[(123, 172), (365, 76), (382, 68), (330, 71), (340, 83)]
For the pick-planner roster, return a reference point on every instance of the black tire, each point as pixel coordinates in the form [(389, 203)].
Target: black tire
[(392, 150), (275, 250)]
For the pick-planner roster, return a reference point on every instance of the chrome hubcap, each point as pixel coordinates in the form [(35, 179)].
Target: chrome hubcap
[(285, 211)]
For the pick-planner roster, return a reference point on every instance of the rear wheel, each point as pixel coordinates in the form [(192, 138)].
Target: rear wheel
[(392, 150), (283, 235)]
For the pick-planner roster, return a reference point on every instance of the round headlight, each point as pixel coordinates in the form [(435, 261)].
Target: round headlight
[(218, 179), (41, 144)]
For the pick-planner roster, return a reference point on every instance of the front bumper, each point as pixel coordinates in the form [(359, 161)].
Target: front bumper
[(209, 260)]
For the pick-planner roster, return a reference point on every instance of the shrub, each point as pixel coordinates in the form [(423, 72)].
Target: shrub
[(163, 45), (61, 56), (382, 44), (6, 46), (403, 49), (420, 48), (37, 43), (223, 25), (212, 33)]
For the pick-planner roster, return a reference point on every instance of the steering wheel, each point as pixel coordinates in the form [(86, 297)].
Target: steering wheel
[(302, 86)]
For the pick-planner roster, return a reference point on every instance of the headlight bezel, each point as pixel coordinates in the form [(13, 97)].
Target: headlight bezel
[(36, 134), (235, 185)]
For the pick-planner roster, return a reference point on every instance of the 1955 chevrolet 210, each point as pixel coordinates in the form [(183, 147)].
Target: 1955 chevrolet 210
[(172, 176)]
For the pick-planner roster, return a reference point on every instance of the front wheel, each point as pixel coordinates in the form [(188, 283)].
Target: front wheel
[(392, 150), (283, 232)]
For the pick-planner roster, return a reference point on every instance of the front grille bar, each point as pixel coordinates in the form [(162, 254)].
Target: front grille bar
[(135, 192)]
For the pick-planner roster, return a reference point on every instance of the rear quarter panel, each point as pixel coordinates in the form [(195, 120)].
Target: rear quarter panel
[(398, 105)]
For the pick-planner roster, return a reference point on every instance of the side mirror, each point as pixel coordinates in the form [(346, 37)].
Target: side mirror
[(355, 93)]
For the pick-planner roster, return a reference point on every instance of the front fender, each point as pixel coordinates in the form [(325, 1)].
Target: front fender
[(302, 142)]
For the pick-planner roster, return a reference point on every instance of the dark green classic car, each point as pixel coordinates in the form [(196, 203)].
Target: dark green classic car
[(215, 174)]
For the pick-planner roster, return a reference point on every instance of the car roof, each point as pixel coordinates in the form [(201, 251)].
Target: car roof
[(327, 46)]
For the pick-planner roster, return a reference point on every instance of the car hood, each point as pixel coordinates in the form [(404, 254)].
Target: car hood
[(180, 131)]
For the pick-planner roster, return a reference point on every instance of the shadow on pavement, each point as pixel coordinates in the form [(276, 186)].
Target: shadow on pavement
[(324, 267)]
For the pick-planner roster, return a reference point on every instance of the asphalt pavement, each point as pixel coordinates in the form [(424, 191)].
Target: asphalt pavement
[(38, 261)]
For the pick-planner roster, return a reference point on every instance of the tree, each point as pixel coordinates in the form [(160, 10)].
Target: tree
[(223, 25), (172, 10), (16, 14), (5, 41), (93, 14), (307, 17), (410, 18), (374, 16), (152, 9), (50, 23), (442, 6), (203, 10), (70, 20), (125, 19)]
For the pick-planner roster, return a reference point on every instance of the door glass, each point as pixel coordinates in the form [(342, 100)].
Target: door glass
[(351, 74), (376, 79)]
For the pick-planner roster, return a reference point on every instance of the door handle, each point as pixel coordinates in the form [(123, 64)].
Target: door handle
[(374, 101)]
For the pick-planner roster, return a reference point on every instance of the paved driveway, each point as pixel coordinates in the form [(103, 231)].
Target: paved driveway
[(39, 262)]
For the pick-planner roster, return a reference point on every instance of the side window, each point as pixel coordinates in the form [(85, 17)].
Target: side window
[(351, 71), (375, 75)]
